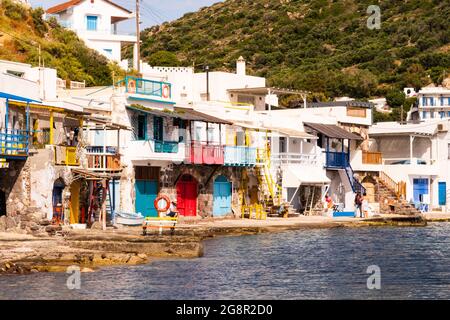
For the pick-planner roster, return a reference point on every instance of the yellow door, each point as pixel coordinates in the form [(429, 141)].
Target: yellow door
[(75, 202)]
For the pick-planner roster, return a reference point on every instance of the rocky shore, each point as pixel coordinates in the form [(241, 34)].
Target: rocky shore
[(90, 249)]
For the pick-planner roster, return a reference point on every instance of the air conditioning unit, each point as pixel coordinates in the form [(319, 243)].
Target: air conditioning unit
[(442, 127)]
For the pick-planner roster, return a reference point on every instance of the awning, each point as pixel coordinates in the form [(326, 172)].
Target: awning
[(180, 113), (8, 96), (332, 131), (292, 133), (297, 175)]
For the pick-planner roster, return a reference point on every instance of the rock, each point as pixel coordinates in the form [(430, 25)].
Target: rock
[(7, 266), (135, 260), (34, 270), (2, 223), (10, 223), (143, 256), (44, 222), (87, 270), (34, 227)]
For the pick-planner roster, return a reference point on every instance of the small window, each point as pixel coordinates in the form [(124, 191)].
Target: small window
[(108, 51), (424, 101), (424, 115), (142, 127), (442, 114), (16, 73), (91, 23)]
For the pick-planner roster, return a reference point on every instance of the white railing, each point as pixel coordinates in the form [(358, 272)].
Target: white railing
[(297, 158), (60, 83), (77, 85), (407, 161)]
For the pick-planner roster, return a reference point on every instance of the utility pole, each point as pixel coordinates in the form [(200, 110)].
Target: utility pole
[(138, 33)]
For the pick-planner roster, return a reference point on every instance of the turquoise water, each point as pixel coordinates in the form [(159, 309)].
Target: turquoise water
[(304, 264)]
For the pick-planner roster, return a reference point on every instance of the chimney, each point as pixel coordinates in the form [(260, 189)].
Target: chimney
[(240, 67)]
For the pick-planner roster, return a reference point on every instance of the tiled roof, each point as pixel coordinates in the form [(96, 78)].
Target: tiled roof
[(66, 5)]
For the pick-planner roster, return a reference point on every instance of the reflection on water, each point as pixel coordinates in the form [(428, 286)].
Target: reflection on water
[(306, 264)]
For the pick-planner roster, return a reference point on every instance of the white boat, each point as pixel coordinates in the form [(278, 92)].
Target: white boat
[(129, 219)]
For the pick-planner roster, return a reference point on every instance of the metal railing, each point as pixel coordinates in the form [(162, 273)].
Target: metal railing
[(101, 150), (296, 158), (166, 146), (197, 153), (240, 156), (14, 142), (147, 87)]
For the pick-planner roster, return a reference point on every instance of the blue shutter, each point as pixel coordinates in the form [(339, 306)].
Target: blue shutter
[(91, 23), (442, 193), (424, 101)]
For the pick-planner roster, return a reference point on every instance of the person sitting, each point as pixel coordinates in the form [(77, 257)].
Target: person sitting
[(173, 211)]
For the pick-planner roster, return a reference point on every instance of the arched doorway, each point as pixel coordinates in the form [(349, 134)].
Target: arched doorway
[(2, 203), (222, 196), (57, 199), (369, 184), (187, 196)]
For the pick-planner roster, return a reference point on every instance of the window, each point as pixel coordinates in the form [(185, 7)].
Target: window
[(431, 114), (424, 115), (424, 101), (432, 102), (91, 23), (448, 114), (15, 73), (108, 51), (282, 145), (142, 127), (442, 114)]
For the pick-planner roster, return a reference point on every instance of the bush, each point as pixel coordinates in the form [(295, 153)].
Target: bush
[(14, 10)]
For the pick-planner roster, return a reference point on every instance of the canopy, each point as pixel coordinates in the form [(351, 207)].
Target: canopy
[(5, 95), (332, 131)]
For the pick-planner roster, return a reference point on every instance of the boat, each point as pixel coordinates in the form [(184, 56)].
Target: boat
[(129, 219)]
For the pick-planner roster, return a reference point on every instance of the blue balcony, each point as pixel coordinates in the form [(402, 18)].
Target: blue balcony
[(338, 160), (147, 87), (239, 156), (14, 143), (166, 147)]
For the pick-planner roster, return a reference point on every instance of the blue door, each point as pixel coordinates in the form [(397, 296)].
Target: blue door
[(442, 193), (222, 196), (146, 193), (420, 188)]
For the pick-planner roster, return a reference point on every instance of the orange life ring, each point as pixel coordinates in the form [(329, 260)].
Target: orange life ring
[(159, 198), (131, 86), (166, 91)]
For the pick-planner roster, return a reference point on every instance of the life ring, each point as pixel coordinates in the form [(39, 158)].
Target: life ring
[(166, 91), (158, 199), (131, 86)]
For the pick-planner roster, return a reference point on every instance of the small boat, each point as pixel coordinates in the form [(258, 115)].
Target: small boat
[(129, 219)]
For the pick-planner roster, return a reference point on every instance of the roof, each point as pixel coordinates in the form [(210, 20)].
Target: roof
[(181, 113), (298, 175), (50, 108), (292, 133), (66, 5), (266, 91), (332, 131), (350, 103), (397, 129)]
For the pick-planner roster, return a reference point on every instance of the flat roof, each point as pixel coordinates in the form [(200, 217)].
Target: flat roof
[(360, 104), (66, 5), (266, 91), (397, 129)]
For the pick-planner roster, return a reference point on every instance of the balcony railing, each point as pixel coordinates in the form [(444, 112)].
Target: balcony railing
[(14, 142), (198, 153), (296, 158), (372, 157), (66, 156), (240, 156), (147, 87), (336, 159), (103, 158), (166, 147)]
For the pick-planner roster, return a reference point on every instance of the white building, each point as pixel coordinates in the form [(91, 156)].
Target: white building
[(434, 103), (191, 87), (96, 22)]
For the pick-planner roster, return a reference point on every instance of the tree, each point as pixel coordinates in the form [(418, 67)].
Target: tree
[(163, 59), (395, 98)]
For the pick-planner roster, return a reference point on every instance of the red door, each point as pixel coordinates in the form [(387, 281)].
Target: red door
[(187, 196)]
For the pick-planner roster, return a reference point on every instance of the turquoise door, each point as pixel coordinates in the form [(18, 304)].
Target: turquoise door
[(442, 193), (222, 196), (146, 193)]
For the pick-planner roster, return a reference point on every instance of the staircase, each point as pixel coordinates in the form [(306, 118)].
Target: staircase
[(355, 184), (391, 196)]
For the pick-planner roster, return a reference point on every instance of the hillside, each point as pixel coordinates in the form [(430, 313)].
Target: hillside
[(323, 46), (22, 30)]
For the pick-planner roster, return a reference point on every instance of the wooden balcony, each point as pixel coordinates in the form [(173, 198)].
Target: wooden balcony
[(338, 160), (372, 157), (103, 159)]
